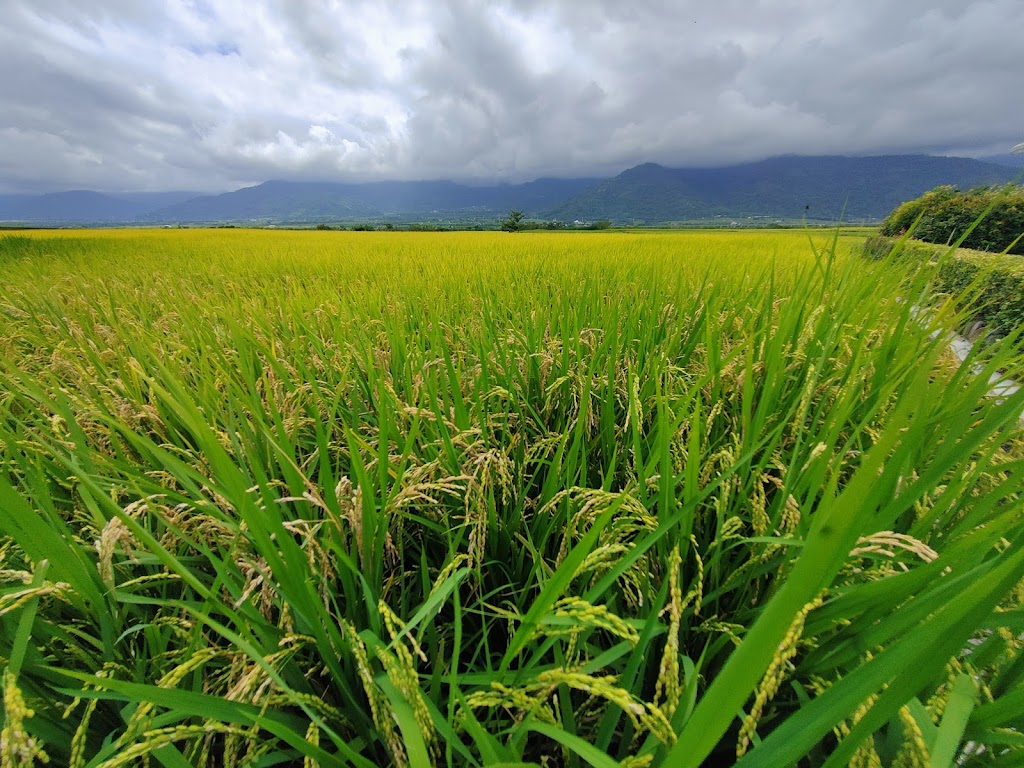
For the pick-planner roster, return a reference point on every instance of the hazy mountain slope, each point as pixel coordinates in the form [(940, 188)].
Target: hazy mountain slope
[(272, 200), (304, 201), (76, 205), (84, 207), (1008, 159)]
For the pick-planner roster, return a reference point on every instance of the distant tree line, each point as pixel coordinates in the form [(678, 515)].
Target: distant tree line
[(515, 222), (944, 214), (389, 227)]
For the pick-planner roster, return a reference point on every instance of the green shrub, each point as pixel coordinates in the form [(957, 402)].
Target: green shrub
[(881, 247), (1000, 288), (989, 286), (944, 214)]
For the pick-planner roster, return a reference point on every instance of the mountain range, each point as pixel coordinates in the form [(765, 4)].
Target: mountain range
[(786, 188)]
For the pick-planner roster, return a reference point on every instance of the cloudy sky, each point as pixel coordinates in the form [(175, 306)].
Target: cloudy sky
[(208, 95)]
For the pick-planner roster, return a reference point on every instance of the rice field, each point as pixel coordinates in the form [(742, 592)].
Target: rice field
[(480, 499)]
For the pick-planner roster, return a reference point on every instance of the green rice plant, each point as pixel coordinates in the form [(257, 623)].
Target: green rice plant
[(645, 499)]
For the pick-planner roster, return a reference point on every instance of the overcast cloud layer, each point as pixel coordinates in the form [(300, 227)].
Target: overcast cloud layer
[(214, 94)]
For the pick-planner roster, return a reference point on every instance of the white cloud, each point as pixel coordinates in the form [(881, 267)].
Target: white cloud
[(116, 94)]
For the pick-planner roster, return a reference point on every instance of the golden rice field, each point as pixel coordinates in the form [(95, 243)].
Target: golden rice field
[(275, 498)]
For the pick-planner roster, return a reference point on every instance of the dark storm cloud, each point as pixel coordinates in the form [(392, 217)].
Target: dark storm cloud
[(117, 94)]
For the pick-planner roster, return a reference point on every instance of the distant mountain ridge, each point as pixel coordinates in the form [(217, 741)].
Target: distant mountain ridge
[(788, 187)]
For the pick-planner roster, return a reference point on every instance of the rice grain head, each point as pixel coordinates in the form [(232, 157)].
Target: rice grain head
[(17, 748), (775, 675)]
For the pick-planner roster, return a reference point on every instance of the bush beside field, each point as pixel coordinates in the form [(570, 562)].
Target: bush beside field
[(988, 287), (325, 499), (945, 213)]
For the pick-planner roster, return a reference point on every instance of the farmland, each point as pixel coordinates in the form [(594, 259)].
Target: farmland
[(347, 498)]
